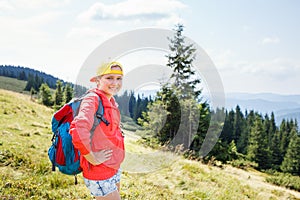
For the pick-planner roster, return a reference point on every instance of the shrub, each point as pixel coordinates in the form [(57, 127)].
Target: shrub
[(285, 180)]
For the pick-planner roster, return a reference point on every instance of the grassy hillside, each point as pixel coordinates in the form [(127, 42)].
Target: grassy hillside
[(12, 84), (25, 170)]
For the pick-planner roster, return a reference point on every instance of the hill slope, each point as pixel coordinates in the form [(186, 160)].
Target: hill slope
[(25, 170), (12, 84)]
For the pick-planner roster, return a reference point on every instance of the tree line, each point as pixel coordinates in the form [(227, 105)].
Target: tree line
[(177, 117), (132, 105), (62, 94), (254, 137), (33, 77)]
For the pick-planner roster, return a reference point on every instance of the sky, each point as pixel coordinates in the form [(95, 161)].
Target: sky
[(254, 44)]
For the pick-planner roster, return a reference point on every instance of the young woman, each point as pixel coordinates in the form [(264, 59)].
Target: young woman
[(103, 153)]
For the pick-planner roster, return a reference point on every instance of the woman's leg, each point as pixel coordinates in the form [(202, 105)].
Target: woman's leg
[(115, 195), (118, 186)]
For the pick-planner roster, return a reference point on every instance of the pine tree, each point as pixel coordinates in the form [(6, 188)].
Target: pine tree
[(180, 97), (238, 129), (45, 94), (180, 61), (227, 132), (204, 122), (132, 104), (276, 156), (258, 150), (137, 111), (273, 127), (68, 93), (123, 101), (155, 119), (58, 95), (284, 137), (30, 83), (250, 119), (186, 89), (171, 104), (291, 162)]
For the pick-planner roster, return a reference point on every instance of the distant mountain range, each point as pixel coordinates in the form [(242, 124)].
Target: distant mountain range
[(283, 106)]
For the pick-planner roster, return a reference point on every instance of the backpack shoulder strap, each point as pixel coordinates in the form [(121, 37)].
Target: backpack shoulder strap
[(99, 116), (100, 113)]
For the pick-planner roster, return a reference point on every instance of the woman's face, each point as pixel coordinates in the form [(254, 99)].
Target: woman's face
[(110, 83)]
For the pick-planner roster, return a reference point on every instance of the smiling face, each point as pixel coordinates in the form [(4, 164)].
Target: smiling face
[(110, 83)]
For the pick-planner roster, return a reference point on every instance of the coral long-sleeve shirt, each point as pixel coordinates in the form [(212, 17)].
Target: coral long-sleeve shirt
[(104, 137)]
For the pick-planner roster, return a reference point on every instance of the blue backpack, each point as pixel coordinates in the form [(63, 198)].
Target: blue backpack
[(62, 152)]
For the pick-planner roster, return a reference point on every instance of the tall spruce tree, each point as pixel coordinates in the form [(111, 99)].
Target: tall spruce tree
[(68, 93), (276, 156), (186, 88), (180, 61), (180, 97), (238, 129), (58, 95), (258, 150), (227, 132), (291, 162)]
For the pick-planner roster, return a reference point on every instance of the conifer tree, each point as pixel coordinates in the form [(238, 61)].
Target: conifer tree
[(180, 97), (170, 102), (180, 61), (137, 111), (154, 119), (132, 104), (258, 150), (227, 132), (68, 93), (276, 156), (45, 94), (58, 95), (238, 129), (291, 162), (30, 83), (273, 127), (284, 137)]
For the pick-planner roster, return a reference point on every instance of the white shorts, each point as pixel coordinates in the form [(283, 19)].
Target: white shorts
[(103, 187)]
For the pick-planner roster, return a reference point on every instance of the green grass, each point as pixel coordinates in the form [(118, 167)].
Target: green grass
[(25, 170), (286, 180), (12, 84)]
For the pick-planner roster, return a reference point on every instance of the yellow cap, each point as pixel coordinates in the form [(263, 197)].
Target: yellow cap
[(106, 68)]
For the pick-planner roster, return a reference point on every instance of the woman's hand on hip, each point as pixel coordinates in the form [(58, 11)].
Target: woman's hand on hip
[(96, 158), (103, 155)]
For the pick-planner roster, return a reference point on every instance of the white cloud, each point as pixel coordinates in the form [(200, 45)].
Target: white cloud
[(273, 69), (276, 75), (223, 59), (226, 61), (270, 40), (133, 9), (24, 30)]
